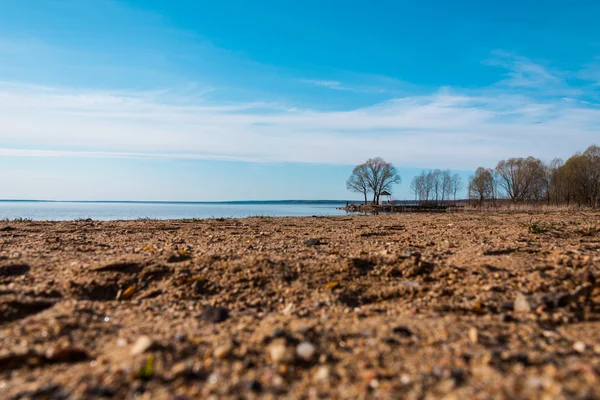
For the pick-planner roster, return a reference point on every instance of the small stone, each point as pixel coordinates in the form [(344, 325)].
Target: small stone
[(312, 242), (222, 352), (579, 347), (214, 314), (141, 345), (279, 353), (278, 382), (322, 373), (473, 335), (306, 351), (521, 304)]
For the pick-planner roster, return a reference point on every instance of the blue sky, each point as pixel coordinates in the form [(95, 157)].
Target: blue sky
[(232, 100)]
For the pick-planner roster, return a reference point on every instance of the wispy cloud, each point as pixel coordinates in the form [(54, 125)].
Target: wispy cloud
[(360, 87), (448, 128), (328, 84)]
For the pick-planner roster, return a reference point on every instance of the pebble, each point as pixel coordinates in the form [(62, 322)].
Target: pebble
[(141, 345), (312, 242), (473, 335), (521, 304), (322, 373), (279, 353), (306, 351), (222, 352), (579, 347)]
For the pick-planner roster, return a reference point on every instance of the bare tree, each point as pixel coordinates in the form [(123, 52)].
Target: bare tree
[(446, 178), (583, 172), (455, 185), (417, 186), (358, 181), (481, 185), (381, 175), (555, 180), (521, 178)]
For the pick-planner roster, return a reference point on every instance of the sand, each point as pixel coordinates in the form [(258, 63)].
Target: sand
[(452, 306)]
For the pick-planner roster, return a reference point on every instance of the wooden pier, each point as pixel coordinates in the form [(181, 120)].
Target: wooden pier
[(400, 208)]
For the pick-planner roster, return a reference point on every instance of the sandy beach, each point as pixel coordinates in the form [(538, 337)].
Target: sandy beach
[(413, 306)]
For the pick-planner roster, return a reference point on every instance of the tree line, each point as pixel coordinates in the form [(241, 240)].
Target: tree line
[(529, 180), (436, 186)]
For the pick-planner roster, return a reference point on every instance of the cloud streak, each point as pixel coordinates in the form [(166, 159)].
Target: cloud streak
[(450, 128)]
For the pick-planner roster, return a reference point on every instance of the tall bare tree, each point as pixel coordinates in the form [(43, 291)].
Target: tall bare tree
[(417, 186), (381, 175), (358, 181), (521, 178), (446, 178), (456, 185), (481, 185)]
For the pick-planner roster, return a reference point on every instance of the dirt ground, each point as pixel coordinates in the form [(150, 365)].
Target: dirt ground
[(430, 306)]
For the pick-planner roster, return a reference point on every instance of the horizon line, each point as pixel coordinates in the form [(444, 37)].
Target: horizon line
[(177, 201)]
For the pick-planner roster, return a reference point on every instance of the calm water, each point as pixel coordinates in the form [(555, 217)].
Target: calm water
[(120, 211)]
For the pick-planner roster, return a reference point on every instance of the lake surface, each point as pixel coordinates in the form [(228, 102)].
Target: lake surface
[(104, 211)]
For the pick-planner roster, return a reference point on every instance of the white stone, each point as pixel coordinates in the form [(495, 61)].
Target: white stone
[(279, 353), (521, 304), (306, 351), (322, 373), (579, 347), (141, 345)]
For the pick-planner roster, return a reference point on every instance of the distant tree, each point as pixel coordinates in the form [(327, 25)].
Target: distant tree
[(417, 186), (381, 175), (455, 185), (358, 181), (521, 178), (481, 185), (446, 178), (583, 171), (436, 183)]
